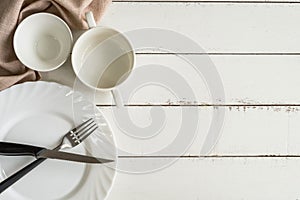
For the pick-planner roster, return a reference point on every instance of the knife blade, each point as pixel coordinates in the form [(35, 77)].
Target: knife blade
[(15, 149), (46, 153)]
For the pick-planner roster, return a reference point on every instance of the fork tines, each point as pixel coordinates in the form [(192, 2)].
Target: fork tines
[(82, 131)]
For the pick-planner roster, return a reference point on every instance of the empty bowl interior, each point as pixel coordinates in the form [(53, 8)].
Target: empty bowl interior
[(42, 42), (102, 58)]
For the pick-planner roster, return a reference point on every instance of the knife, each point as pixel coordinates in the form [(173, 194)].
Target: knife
[(15, 149)]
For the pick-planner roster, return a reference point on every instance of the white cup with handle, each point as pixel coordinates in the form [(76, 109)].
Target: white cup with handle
[(102, 57)]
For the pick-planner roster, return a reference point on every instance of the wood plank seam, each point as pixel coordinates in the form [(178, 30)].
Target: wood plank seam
[(215, 156), (205, 105), (220, 54), (210, 2)]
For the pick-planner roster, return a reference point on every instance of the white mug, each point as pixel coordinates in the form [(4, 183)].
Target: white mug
[(43, 42), (102, 57)]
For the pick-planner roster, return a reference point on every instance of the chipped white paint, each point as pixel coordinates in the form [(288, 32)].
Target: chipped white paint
[(248, 130), (247, 80), (214, 1)]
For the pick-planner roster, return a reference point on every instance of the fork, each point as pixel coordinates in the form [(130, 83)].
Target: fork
[(71, 139)]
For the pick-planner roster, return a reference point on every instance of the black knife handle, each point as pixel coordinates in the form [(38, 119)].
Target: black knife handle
[(14, 149), (19, 174)]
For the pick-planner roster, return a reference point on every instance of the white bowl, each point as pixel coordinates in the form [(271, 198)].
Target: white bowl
[(43, 42)]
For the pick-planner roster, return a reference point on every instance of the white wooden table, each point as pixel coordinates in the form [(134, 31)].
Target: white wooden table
[(255, 46)]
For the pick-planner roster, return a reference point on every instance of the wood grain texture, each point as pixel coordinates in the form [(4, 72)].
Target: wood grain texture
[(217, 27), (216, 1), (214, 179), (247, 80), (254, 46), (257, 125), (247, 131)]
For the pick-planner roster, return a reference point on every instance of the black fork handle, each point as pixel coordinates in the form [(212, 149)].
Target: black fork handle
[(19, 174)]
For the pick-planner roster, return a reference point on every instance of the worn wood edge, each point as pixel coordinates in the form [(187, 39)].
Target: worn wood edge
[(260, 138), (205, 105), (213, 1), (221, 54), (290, 99), (218, 54), (213, 156)]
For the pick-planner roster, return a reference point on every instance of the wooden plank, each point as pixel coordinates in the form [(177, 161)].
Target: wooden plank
[(247, 130), (215, 1), (217, 27), (214, 179), (247, 80)]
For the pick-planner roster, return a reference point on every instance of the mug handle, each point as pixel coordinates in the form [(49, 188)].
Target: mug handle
[(117, 98), (90, 19), (92, 23)]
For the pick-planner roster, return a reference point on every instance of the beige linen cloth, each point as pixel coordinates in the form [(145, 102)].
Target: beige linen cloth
[(12, 12)]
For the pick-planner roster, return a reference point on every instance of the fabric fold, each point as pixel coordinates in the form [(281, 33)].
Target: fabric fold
[(12, 71)]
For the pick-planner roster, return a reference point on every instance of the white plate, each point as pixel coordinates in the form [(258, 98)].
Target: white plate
[(40, 113)]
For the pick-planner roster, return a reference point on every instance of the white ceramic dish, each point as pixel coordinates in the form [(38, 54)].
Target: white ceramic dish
[(43, 42), (40, 113)]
